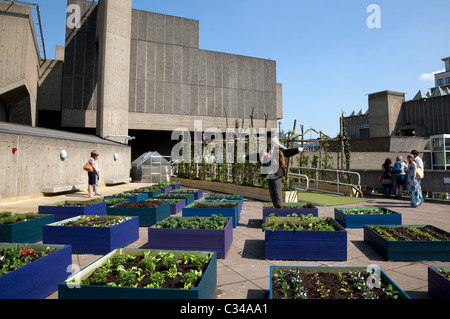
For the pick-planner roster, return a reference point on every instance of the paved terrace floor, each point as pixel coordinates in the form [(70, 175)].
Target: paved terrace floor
[(244, 273)]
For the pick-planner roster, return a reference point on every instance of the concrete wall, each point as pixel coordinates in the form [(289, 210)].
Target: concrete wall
[(384, 109), (37, 162), (19, 59)]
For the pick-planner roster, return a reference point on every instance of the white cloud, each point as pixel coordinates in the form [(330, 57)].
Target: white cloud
[(429, 76)]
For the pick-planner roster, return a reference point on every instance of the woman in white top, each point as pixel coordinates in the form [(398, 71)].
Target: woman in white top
[(93, 176)]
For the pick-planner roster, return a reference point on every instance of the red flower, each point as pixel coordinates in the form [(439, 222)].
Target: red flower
[(14, 149)]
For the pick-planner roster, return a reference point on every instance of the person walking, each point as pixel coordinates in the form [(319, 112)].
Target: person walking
[(414, 188), (386, 181), (400, 175)]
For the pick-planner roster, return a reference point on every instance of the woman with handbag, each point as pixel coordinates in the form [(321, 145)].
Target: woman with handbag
[(93, 174)]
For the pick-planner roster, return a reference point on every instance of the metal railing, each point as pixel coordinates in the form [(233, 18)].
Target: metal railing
[(313, 180)]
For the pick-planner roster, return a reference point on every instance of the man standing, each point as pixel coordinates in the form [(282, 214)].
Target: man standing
[(419, 164)]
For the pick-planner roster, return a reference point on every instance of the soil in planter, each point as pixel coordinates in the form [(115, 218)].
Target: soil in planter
[(142, 204), (79, 204), (113, 275), (324, 285), (402, 233), (200, 205)]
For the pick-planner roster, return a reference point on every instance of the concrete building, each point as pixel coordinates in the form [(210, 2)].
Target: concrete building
[(442, 79), (121, 73)]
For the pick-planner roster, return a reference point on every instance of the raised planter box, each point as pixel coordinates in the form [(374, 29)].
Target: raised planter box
[(29, 231), (389, 217), (40, 278), (92, 240), (289, 209), (438, 285), (176, 205), (148, 216), (62, 212), (189, 198), (206, 289), (305, 244), (135, 197), (417, 250), (151, 191), (333, 270), (213, 209), (218, 240), (228, 197), (198, 193)]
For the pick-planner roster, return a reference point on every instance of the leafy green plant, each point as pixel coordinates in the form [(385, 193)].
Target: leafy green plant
[(14, 257), (297, 223), (7, 218), (212, 222)]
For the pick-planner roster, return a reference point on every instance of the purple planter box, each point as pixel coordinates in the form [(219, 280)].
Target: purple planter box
[(438, 285), (40, 278), (197, 195), (62, 212), (93, 240), (192, 239), (283, 212), (306, 245)]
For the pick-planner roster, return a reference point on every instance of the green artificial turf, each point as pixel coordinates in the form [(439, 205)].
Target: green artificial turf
[(325, 199)]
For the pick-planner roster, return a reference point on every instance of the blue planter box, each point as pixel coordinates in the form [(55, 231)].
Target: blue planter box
[(65, 212), (135, 198), (147, 216), (306, 245), (189, 198), (289, 209), (418, 250), (176, 186), (40, 278), (92, 240), (206, 289), (191, 211), (29, 231), (336, 270), (197, 194), (438, 285), (177, 207), (358, 221), (218, 240)]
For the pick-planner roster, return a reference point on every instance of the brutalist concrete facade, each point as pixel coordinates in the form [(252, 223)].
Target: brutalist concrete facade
[(171, 81)]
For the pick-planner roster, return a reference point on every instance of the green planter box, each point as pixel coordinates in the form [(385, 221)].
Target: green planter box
[(204, 290), (148, 216), (29, 231), (213, 209), (335, 270), (417, 250), (348, 220)]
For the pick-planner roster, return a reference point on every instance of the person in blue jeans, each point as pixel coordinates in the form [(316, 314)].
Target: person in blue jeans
[(386, 181), (400, 175)]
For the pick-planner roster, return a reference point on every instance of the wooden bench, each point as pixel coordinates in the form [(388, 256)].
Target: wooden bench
[(115, 181)]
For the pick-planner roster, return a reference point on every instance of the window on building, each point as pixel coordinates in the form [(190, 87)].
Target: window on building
[(440, 81), (447, 80)]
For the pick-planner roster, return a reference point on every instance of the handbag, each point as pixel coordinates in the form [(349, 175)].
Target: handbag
[(381, 177), (88, 167), (419, 173)]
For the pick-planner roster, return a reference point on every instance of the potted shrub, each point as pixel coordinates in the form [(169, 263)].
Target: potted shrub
[(149, 211), (299, 208), (32, 271), (93, 234), (360, 216), (332, 283), (196, 192), (304, 237), (409, 242), (439, 282), (68, 209), (132, 196), (156, 275), (214, 233), (189, 198), (208, 208), (22, 228)]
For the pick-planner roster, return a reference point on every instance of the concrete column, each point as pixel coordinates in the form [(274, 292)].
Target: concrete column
[(114, 40), (384, 110)]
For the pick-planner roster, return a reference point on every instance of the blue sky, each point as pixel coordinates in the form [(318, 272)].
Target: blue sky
[(328, 59)]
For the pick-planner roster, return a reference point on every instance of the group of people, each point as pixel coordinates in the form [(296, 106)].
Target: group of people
[(406, 173)]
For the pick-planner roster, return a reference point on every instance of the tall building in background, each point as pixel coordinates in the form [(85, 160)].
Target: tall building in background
[(442, 79)]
